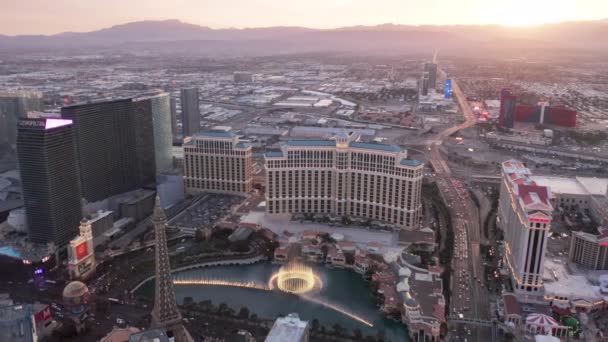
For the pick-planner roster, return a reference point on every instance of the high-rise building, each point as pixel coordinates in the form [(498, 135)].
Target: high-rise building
[(508, 102), (431, 68), (153, 137), (590, 250), (525, 214), (13, 106), (106, 145), (216, 161), (424, 84), (344, 177), (191, 115), (48, 165), (174, 128)]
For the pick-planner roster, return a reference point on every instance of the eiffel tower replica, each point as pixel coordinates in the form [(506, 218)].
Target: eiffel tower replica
[(165, 313)]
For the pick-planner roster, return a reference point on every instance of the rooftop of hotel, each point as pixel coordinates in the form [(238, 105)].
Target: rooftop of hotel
[(411, 162), (311, 143), (574, 185), (532, 195), (214, 134), (377, 147)]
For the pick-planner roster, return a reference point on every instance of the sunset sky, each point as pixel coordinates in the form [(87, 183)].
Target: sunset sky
[(54, 16)]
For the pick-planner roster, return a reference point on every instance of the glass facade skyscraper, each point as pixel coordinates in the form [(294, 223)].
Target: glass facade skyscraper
[(106, 144), (191, 115), (49, 172)]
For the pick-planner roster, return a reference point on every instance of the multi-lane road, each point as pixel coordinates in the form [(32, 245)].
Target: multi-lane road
[(469, 297)]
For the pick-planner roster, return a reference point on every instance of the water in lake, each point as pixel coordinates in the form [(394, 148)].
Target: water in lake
[(342, 288)]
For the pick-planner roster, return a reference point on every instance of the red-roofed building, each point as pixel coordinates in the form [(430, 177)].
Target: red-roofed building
[(335, 257), (384, 277), (362, 263)]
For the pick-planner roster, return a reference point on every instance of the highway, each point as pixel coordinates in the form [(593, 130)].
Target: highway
[(469, 295)]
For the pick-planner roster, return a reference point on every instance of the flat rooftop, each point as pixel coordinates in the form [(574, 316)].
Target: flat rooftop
[(573, 185), (288, 328)]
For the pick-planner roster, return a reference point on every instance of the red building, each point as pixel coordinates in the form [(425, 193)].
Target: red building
[(543, 113)]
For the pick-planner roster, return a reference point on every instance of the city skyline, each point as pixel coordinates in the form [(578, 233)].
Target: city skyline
[(32, 17)]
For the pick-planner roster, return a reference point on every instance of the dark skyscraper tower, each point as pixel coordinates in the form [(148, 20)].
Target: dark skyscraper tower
[(191, 115), (153, 137), (508, 101), (105, 140), (49, 174), (424, 84), (431, 68)]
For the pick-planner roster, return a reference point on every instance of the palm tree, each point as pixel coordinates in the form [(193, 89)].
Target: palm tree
[(244, 312), (338, 330), (315, 325)]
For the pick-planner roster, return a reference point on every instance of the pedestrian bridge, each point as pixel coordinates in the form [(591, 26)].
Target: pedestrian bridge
[(471, 321)]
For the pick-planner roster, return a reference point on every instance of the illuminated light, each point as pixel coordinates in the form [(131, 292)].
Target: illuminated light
[(39, 271), (54, 123), (340, 310), (46, 258), (82, 251), (295, 278), (26, 262), (216, 282), (539, 220)]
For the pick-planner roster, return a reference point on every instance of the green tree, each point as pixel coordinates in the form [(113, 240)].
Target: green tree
[(357, 334), (338, 330), (243, 313), (188, 301), (315, 325)]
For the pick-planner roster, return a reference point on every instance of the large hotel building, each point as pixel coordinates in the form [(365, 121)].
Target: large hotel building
[(216, 161), (48, 164), (344, 177), (525, 215)]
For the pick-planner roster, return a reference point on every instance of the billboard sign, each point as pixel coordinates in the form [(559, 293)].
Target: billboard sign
[(448, 88), (43, 315), (82, 251)]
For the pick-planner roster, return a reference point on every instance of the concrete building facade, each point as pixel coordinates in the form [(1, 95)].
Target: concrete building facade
[(590, 250), (525, 215), (217, 161), (344, 177)]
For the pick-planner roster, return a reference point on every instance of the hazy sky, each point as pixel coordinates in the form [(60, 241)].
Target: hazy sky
[(53, 16)]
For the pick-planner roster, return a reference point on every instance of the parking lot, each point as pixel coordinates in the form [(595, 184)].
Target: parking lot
[(205, 211)]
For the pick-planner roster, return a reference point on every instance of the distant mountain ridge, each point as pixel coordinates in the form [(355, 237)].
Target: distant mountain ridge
[(586, 34)]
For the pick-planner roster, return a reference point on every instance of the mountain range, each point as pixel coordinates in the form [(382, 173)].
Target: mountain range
[(588, 35)]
